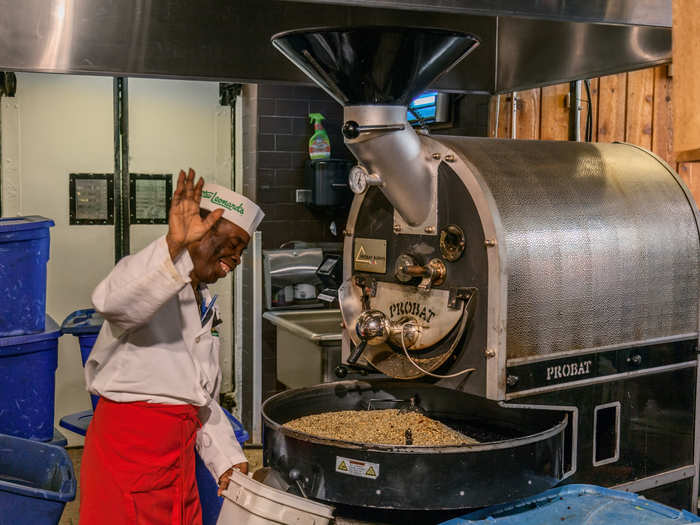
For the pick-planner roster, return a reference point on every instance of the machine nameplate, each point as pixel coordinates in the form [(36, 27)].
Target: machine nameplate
[(355, 467), (580, 368), (413, 308), (370, 255), (587, 366)]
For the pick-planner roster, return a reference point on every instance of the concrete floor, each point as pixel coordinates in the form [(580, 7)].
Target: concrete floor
[(71, 511)]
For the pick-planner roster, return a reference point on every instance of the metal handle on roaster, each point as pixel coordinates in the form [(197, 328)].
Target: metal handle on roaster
[(352, 130), (296, 477), (356, 353)]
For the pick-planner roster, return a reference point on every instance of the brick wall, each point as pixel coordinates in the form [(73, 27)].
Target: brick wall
[(282, 150), (276, 147)]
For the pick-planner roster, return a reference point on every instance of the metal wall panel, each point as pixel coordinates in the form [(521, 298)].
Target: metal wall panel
[(633, 12), (230, 41), (539, 52)]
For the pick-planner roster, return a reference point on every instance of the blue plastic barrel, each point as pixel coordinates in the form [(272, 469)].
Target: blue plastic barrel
[(208, 486), (36, 481), (578, 505), (85, 325), (24, 252), (27, 382)]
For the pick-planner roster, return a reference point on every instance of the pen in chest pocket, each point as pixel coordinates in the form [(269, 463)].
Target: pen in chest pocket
[(206, 310)]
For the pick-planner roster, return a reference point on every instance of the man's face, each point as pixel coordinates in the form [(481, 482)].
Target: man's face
[(218, 252)]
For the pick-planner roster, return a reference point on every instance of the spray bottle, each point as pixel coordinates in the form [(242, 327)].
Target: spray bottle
[(319, 144)]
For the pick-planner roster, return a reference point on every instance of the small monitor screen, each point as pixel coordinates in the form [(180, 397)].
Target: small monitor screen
[(423, 106)]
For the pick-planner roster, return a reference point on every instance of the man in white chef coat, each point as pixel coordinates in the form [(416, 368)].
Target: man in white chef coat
[(155, 366)]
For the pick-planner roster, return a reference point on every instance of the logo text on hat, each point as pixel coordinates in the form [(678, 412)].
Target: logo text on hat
[(215, 199)]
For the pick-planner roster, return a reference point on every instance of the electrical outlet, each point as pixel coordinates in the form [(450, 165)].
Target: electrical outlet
[(303, 196)]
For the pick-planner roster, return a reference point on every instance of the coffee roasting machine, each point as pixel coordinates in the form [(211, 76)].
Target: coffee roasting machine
[(539, 296), (557, 283)]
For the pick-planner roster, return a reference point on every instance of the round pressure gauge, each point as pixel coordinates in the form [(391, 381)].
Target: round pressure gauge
[(358, 179)]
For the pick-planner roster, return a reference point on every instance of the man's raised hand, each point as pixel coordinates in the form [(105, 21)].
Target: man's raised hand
[(184, 223)]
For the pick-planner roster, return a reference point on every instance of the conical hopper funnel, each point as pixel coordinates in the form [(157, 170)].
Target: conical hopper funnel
[(374, 64)]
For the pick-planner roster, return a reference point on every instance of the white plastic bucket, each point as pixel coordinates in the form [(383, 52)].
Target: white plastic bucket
[(248, 502)]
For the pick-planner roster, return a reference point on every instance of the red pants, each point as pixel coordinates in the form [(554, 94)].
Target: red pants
[(138, 466)]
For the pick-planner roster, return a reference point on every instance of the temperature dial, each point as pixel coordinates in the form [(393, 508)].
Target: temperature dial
[(360, 179)]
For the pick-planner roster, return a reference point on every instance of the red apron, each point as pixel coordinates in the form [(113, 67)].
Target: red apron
[(138, 466)]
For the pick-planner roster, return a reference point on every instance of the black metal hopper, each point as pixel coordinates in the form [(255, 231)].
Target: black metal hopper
[(374, 64)]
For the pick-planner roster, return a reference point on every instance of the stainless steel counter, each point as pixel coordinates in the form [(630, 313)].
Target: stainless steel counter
[(322, 327), (308, 345)]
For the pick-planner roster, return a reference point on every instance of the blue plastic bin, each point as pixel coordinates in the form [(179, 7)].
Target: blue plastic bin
[(36, 481), (208, 486), (85, 325), (27, 382), (578, 505), (24, 252), (77, 422)]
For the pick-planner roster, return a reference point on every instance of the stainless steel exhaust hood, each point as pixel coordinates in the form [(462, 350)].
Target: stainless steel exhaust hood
[(524, 43)]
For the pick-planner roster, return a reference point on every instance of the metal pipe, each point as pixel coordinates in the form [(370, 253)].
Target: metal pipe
[(121, 167), (514, 115), (498, 116), (395, 155), (257, 279), (575, 110)]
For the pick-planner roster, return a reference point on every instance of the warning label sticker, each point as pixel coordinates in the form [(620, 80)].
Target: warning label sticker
[(355, 467)]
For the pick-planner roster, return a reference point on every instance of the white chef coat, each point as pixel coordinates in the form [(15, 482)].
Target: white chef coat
[(153, 347)]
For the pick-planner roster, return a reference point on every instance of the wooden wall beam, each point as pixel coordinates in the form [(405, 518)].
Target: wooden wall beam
[(686, 79), (640, 107), (611, 108), (555, 113), (662, 137), (528, 118)]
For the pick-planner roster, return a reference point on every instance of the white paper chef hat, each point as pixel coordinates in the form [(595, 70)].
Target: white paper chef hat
[(238, 209)]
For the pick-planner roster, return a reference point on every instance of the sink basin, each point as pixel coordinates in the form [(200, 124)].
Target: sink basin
[(319, 326)]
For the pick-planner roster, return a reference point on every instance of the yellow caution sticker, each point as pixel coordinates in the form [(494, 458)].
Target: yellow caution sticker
[(356, 467)]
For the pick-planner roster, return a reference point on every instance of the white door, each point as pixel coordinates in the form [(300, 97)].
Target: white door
[(174, 125)]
